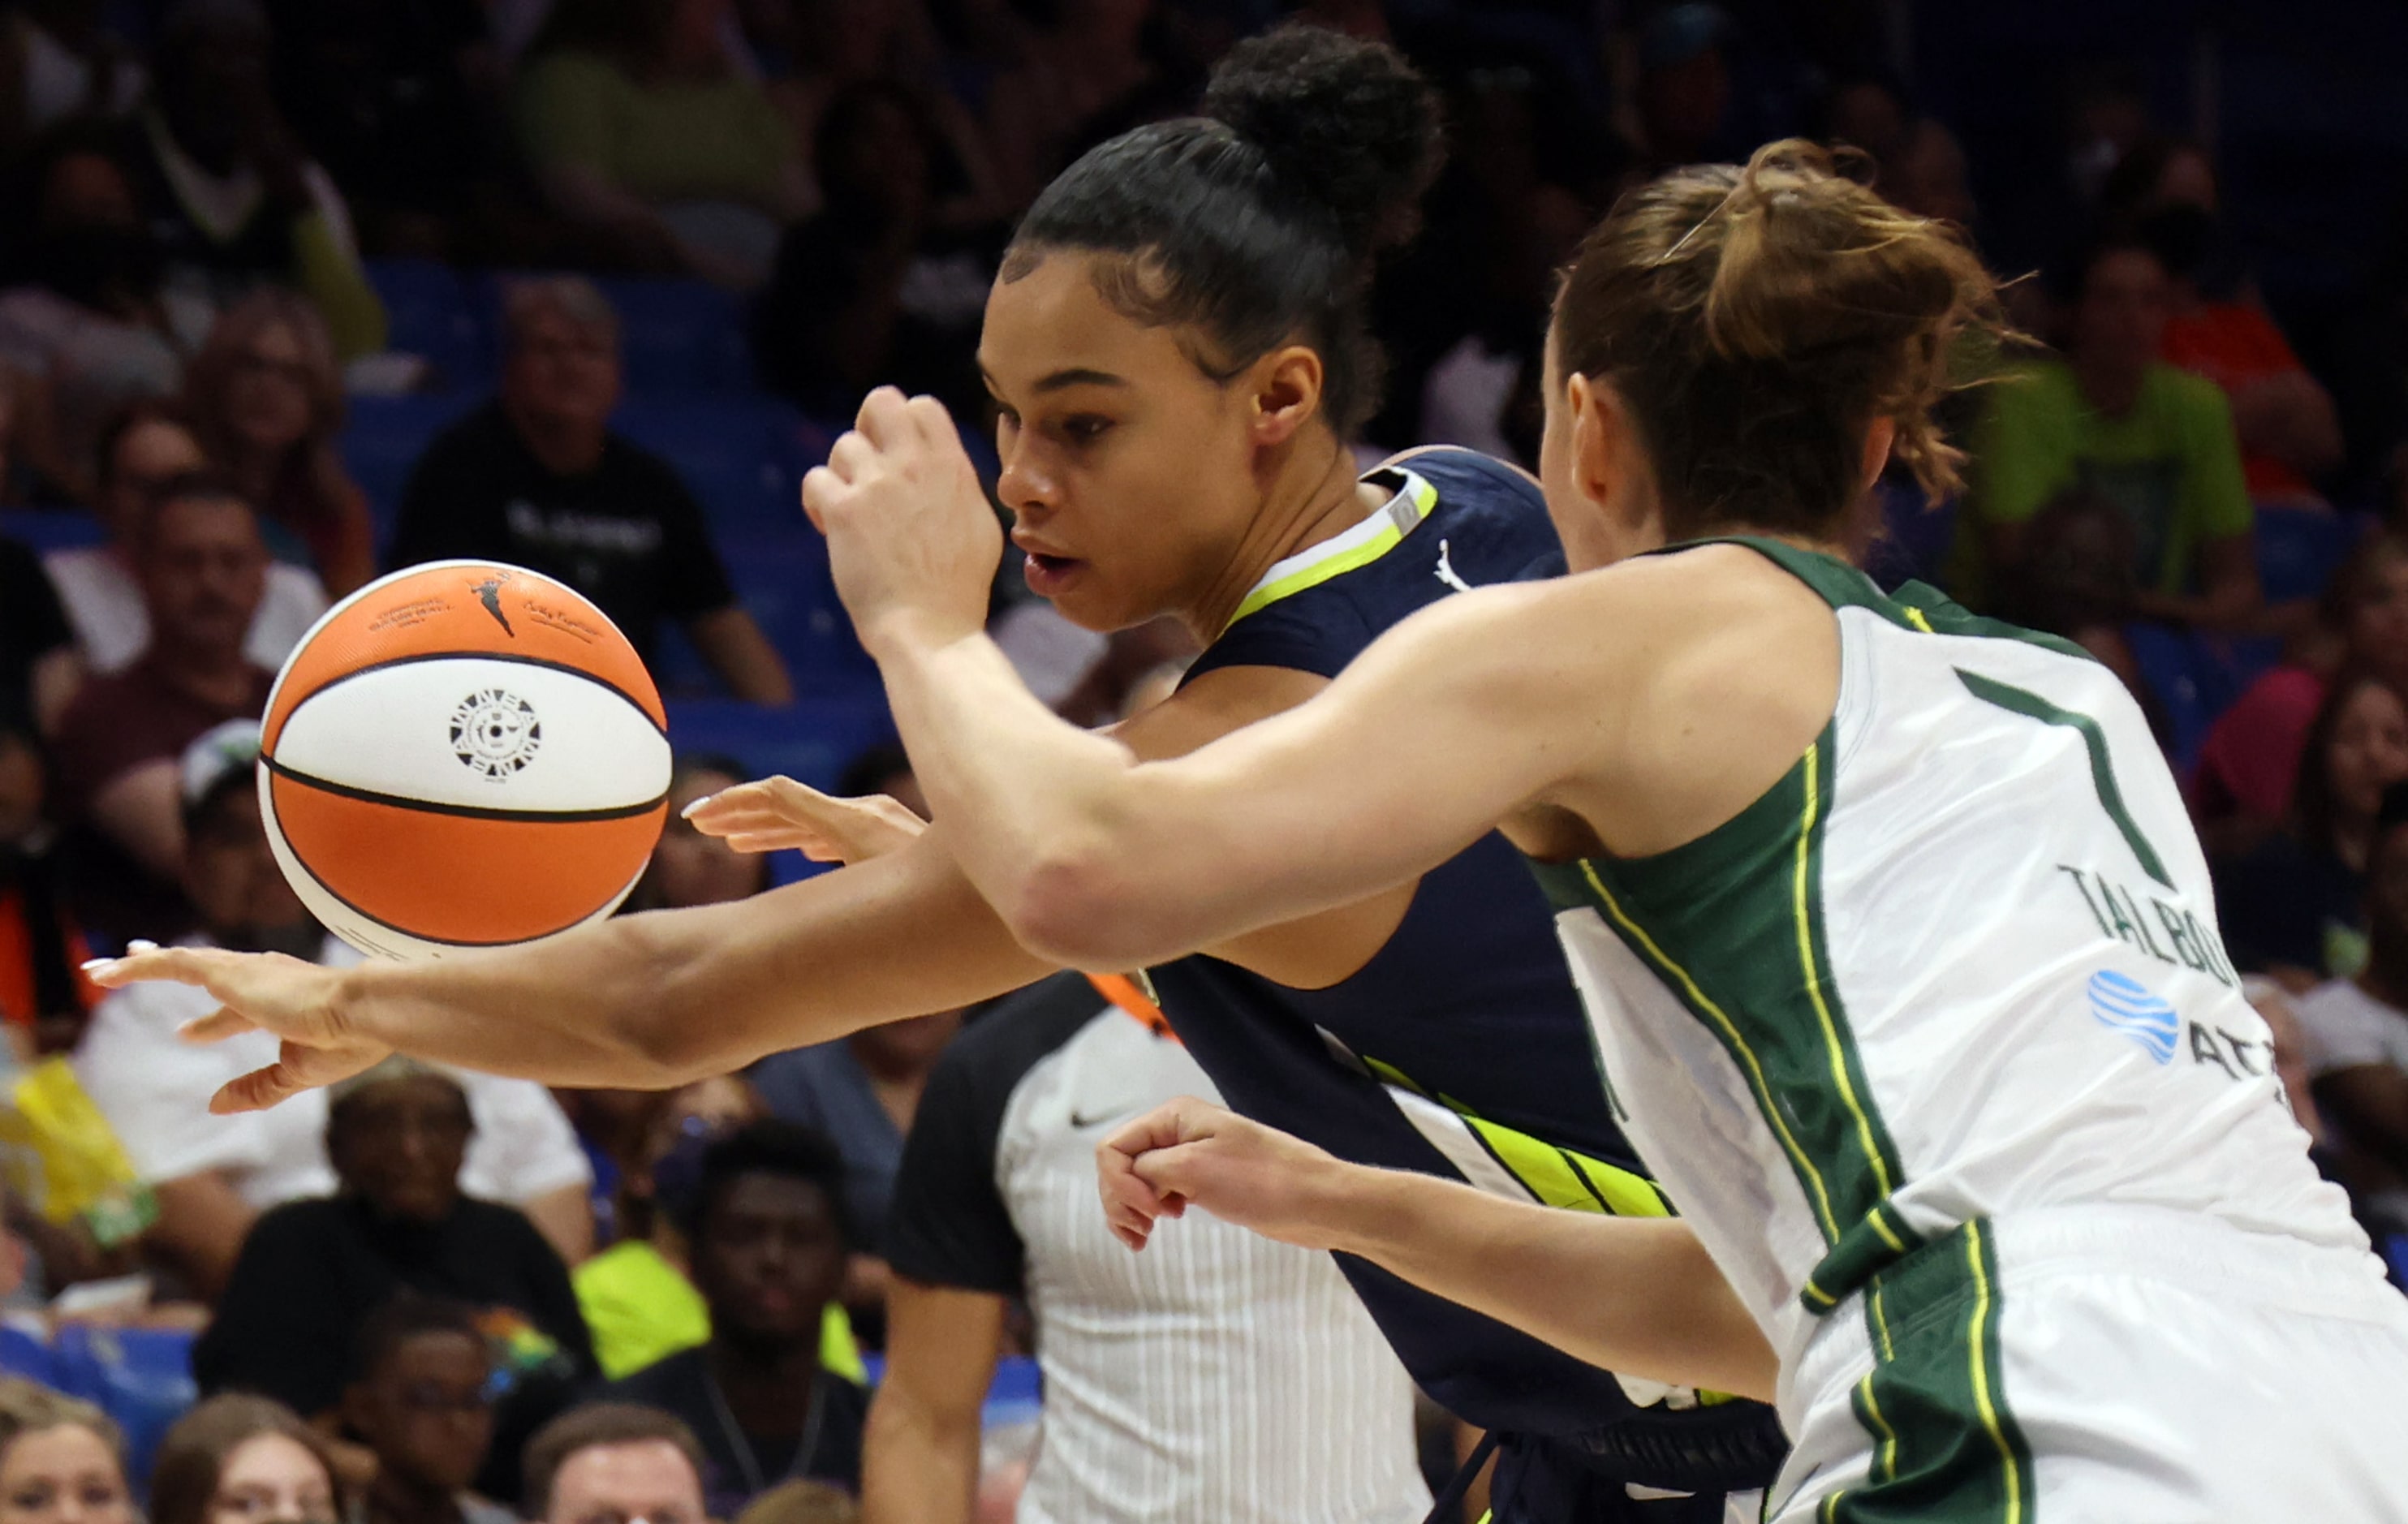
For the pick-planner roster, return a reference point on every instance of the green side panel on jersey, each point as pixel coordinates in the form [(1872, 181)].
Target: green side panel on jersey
[(1732, 923), (1946, 1446)]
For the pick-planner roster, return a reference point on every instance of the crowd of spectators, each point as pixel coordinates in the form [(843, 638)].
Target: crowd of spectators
[(430, 1297)]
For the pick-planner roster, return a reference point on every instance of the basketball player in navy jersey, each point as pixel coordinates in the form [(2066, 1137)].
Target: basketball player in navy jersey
[(1176, 345)]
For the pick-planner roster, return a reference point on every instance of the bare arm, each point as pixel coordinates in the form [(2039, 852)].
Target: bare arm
[(565, 1218), (742, 655), (1429, 740), (139, 810), (920, 1452), (202, 1223), (1670, 1317), (54, 678)]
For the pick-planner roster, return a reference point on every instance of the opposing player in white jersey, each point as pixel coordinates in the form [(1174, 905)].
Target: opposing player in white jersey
[(1899, 949)]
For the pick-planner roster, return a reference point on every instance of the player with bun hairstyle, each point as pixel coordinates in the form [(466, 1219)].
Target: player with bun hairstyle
[(1178, 351), (1898, 942)]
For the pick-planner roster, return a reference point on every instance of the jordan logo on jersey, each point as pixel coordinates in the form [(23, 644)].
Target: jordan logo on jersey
[(1445, 571)]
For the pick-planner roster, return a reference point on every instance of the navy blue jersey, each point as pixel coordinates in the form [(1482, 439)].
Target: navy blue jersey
[(1461, 1047)]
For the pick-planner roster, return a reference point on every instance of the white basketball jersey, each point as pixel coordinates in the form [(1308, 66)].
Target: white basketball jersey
[(1961, 961)]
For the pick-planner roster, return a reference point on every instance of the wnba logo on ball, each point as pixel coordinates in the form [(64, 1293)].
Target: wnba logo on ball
[(495, 733)]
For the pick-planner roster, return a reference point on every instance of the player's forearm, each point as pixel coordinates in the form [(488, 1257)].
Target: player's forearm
[(1039, 811), (656, 1000), (918, 1465), (1637, 1296)]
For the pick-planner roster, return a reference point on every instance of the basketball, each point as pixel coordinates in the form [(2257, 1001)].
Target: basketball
[(463, 754)]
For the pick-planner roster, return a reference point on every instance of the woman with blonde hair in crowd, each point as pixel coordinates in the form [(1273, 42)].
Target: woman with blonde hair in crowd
[(266, 397), (244, 1459), (62, 1461)]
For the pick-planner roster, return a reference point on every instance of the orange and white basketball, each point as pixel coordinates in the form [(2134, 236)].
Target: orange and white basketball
[(463, 754)]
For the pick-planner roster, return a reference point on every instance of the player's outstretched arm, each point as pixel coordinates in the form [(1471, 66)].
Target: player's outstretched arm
[(1444, 728), (647, 1001), (1634, 1295)]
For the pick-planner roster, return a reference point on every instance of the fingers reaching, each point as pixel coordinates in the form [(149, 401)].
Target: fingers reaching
[(216, 1027)]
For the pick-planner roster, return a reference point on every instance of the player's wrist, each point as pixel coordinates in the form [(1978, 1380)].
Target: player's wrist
[(1354, 1206)]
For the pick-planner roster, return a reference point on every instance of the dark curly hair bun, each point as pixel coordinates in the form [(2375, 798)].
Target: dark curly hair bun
[(1344, 123)]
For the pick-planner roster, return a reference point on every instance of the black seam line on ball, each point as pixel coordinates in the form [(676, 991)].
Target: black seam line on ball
[(633, 702), (466, 812)]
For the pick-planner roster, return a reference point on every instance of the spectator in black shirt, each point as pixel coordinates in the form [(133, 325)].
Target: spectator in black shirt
[(39, 669), (311, 1272), (538, 479), (768, 1231)]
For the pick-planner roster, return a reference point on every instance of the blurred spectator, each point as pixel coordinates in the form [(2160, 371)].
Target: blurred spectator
[(62, 1459), (2294, 1058), (767, 1236), (87, 308), (311, 1270), (203, 569), (400, 100), (39, 669), (689, 868), (2251, 757), (865, 293), (141, 451), (640, 127), (241, 1459), (538, 479), (993, 1204), (219, 179), (2290, 431), (2359, 1030), (1084, 74), (2294, 906), (60, 61), (861, 1091), (214, 1174), (422, 1398), (44, 996), (266, 400), (2153, 441), (1684, 87), (614, 1463)]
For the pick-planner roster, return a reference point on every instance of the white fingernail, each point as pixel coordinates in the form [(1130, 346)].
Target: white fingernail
[(93, 965), (139, 945), (687, 813)]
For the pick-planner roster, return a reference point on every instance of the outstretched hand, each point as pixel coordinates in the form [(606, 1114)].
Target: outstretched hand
[(912, 539), (1191, 1153), (776, 814), (256, 992)]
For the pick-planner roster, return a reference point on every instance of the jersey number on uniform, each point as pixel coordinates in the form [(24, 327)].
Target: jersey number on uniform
[(2102, 769)]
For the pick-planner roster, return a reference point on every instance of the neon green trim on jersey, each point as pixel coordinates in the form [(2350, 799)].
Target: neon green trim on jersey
[(1413, 503)]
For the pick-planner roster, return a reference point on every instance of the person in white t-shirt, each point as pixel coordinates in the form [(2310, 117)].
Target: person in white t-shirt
[(214, 1176), (141, 450)]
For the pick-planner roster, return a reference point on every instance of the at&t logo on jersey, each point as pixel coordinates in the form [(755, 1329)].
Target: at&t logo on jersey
[(2126, 1005)]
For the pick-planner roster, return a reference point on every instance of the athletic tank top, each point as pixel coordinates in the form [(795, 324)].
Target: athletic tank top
[(1961, 961), (1460, 1048)]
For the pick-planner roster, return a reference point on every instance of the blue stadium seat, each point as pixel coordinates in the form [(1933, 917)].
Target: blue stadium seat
[(811, 739), (51, 529), (431, 311), (142, 1377), (732, 453), (2170, 663), (383, 440), (2298, 549)]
